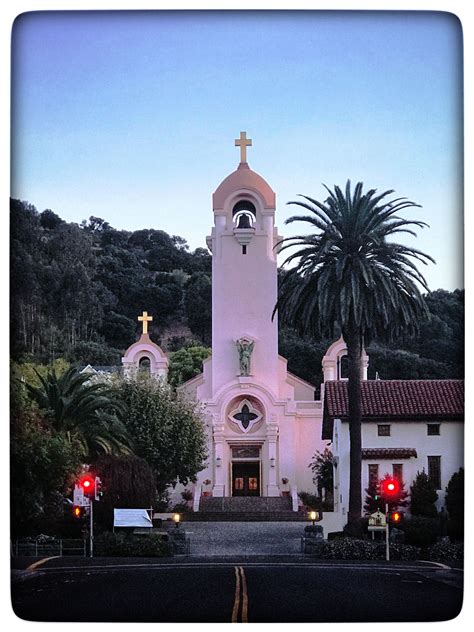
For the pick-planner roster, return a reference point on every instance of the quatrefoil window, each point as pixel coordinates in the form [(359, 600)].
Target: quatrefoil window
[(245, 415)]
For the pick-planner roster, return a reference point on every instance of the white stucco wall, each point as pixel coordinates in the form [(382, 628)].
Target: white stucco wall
[(449, 445)]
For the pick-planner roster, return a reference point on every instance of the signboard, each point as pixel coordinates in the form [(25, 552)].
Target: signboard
[(132, 518), (79, 500), (377, 521)]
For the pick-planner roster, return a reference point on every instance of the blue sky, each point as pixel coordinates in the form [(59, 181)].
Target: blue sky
[(132, 116)]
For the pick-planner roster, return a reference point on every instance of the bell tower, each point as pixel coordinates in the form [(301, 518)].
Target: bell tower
[(244, 278)]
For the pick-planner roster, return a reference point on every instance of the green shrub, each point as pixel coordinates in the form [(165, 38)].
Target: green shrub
[(352, 549), (310, 501), (421, 531), (445, 552), (455, 529), (123, 545)]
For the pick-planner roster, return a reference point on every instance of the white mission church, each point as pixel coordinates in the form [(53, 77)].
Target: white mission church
[(264, 422)]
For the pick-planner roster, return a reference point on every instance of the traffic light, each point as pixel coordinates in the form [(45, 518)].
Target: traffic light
[(88, 484), (396, 517), (78, 512), (98, 489), (389, 487)]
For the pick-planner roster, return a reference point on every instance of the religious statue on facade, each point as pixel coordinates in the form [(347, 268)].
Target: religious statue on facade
[(245, 348)]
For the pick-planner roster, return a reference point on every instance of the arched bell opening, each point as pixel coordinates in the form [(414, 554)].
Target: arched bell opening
[(244, 214)]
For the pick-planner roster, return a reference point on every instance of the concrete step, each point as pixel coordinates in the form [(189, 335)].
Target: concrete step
[(244, 516), (247, 504)]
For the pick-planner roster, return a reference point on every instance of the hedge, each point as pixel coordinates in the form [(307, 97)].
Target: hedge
[(121, 545)]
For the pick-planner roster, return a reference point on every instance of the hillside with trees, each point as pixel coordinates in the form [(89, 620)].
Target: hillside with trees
[(76, 292)]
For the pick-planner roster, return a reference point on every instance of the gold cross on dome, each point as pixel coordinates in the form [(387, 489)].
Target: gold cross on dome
[(145, 319), (243, 142)]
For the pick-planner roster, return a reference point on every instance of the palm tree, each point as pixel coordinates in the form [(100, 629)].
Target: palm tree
[(350, 278), (87, 413)]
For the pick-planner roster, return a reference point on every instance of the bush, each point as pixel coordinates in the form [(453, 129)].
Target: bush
[(124, 545), (445, 552), (421, 531), (455, 529), (310, 501), (352, 549)]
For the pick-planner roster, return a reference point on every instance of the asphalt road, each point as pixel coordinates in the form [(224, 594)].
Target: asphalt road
[(292, 589)]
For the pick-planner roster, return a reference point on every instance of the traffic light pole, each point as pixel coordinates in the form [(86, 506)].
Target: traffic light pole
[(91, 528), (387, 545)]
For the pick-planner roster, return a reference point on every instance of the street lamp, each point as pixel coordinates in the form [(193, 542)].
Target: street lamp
[(176, 519), (313, 516)]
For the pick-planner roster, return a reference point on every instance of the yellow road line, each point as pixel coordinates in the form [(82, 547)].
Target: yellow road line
[(245, 599), (34, 566), (235, 609)]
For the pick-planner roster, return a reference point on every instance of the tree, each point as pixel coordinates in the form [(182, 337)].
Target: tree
[(373, 501), (87, 413), (167, 430), (127, 482), (197, 302), (43, 464), (186, 364), (454, 500), (349, 276), (322, 467), (423, 496)]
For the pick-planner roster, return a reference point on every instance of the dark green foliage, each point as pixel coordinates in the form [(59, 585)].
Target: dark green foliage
[(167, 430), (127, 482), (353, 549), (186, 364), (373, 500), (423, 496), (454, 500), (322, 467), (87, 413), (198, 305), (122, 545), (94, 353), (75, 284), (310, 501), (42, 466), (446, 553), (421, 530)]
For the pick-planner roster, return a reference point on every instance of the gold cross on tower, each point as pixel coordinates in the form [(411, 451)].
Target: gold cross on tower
[(145, 319), (243, 142)]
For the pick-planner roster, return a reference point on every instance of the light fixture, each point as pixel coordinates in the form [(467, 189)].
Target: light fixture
[(218, 461), (176, 518), (272, 462), (313, 516)]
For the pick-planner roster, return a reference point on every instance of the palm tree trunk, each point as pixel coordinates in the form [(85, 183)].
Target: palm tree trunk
[(354, 353)]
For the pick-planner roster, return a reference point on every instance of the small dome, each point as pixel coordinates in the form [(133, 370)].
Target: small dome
[(243, 178)]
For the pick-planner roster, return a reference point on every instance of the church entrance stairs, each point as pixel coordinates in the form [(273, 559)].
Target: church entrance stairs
[(245, 509)]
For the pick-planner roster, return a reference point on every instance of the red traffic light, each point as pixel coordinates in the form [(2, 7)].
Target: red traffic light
[(390, 487), (87, 484)]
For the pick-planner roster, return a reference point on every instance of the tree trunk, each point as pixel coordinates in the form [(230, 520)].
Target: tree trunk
[(354, 353)]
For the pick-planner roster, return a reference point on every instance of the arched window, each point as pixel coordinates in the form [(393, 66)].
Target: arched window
[(144, 365), (343, 367)]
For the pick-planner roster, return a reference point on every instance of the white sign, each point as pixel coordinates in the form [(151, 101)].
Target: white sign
[(79, 499), (132, 518)]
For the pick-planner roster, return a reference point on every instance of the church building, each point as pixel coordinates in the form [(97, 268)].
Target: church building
[(264, 424)]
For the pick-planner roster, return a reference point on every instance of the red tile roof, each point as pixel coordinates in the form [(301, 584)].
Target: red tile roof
[(400, 400), (388, 453)]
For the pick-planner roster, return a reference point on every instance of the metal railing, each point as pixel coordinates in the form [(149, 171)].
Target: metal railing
[(49, 548)]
